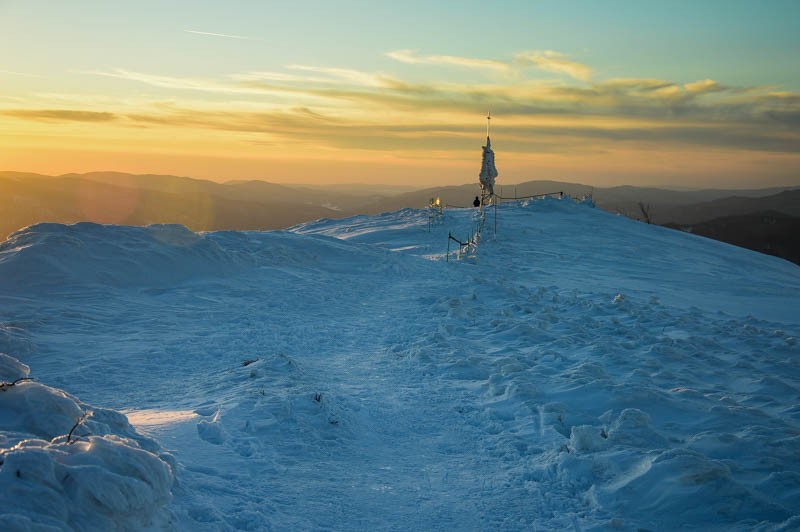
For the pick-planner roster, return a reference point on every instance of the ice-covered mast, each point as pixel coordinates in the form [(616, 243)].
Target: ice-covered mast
[(488, 170)]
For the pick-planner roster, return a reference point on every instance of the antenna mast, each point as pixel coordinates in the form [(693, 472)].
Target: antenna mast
[(488, 170)]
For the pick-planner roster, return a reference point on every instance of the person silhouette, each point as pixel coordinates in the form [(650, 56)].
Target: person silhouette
[(477, 202)]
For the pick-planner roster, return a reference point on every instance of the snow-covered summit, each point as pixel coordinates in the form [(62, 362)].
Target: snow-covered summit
[(580, 370)]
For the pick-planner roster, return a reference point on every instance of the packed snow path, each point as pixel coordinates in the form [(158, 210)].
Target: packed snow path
[(582, 371)]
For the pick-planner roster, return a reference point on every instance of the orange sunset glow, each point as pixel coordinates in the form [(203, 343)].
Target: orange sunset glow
[(258, 102)]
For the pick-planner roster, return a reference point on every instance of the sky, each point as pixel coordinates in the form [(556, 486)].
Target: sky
[(702, 93)]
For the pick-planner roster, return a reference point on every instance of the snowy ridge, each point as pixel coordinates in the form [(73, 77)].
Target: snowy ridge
[(580, 371), (57, 255)]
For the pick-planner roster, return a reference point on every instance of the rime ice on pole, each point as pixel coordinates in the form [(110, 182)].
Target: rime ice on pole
[(488, 170)]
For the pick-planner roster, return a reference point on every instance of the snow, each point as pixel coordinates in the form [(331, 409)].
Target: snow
[(578, 371), (65, 465)]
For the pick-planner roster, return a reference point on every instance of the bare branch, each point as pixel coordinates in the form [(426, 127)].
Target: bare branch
[(75, 426)]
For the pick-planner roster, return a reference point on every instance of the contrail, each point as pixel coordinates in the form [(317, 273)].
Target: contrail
[(218, 35)]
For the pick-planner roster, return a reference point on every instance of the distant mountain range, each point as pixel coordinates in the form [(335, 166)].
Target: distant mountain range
[(201, 205), (770, 232), (110, 197), (665, 205), (785, 202)]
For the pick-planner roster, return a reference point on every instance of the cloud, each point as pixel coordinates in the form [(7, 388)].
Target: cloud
[(655, 104), (561, 133), (555, 62), (302, 126), (279, 77), (348, 108), (344, 75), (524, 126), (351, 90), (546, 60), (225, 35), (259, 83), (320, 76), (170, 82), (635, 84), (59, 115), (25, 74), (156, 80), (705, 86), (295, 121), (628, 97), (411, 57)]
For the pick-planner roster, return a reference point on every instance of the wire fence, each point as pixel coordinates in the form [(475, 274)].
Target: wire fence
[(465, 246), (471, 242), (560, 195)]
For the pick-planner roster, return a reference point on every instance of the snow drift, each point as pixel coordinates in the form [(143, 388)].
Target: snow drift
[(66, 465)]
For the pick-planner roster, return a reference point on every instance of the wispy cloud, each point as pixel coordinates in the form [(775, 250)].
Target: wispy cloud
[(411, 57), (546, 60), (701, 100), (345, 75), (555, 62), (25, 74), (302, 126), (225, 35), (584, 125), (349, 108), (705, 86), (59, 115), (171, 82), (283, 77)]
